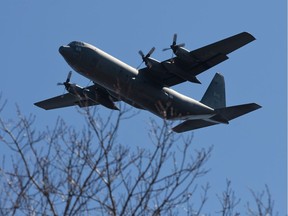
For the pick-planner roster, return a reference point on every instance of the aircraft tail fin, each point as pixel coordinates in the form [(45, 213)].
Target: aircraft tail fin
[(214, 96), (222, 115)]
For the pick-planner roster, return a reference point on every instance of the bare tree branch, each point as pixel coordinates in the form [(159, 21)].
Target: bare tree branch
[(228, 201), (262, 208), (65, 170)]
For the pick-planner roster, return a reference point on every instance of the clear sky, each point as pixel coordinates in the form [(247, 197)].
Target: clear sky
[(251, 151)]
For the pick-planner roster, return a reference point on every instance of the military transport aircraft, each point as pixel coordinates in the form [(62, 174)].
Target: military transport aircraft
[(149, 88)]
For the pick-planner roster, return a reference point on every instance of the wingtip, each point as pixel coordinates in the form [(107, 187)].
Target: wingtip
[(38, 104), (174, 129), (250, 36), (257, 106)]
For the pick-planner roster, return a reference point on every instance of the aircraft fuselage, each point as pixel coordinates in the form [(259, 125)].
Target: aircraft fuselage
[(124, 82)]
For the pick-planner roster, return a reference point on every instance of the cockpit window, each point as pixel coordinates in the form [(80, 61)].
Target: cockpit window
[(76, 44)]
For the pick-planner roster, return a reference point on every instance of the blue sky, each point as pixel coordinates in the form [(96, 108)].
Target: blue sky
[(251, 151)]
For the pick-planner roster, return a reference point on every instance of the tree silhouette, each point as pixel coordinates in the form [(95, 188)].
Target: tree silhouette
[(67, 171)]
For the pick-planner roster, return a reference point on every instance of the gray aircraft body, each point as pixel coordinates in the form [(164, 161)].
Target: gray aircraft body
[(149, 87)]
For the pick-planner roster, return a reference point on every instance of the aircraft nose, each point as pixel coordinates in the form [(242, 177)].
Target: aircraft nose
[(63, 50)]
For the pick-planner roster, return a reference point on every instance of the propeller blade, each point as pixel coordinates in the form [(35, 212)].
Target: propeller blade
[(67, 82), (145, 57), (165, 49), (140, 65), (150, 52), (141, 53), (181, 45), (174, 39), (69, 77), (174, 46)]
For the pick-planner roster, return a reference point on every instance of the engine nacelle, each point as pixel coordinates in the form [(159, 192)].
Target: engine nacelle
[(184, 54), (102, 97), (174, 69), (94, 95)]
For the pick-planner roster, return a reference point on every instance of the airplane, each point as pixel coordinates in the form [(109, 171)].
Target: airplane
[(148, 88)]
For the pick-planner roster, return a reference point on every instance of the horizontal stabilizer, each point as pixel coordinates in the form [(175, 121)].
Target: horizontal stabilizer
[(233, 112), (192, 125), (223, 115)]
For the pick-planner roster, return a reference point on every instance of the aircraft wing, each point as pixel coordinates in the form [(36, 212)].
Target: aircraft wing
[(176, 70), (213, 54), (95, 96), (65, 100)]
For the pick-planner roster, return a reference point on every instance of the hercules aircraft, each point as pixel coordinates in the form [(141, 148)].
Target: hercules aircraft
[(149, 88)]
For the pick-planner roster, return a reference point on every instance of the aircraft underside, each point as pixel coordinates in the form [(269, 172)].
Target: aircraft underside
[(149, 88)]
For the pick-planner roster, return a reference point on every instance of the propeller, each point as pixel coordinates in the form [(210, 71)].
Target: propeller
[(174, 46), (145, 57), (67, 82)]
